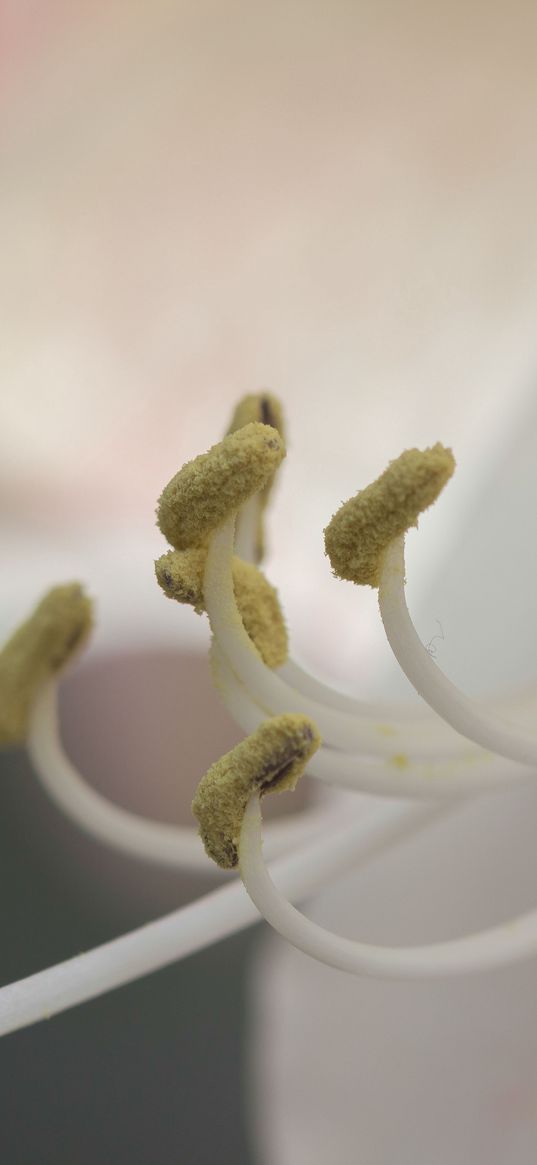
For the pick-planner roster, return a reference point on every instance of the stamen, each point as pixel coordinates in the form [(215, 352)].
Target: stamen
[(420, 718), (152, 841), (339, 729), (496, 947), (262, 407), (249, 533), (180, 578), (180, 574), (362, 529), (465, 715), (43, 645), (30, 665), (175, 846), (271, 760), (260, 612), (474, 771), (206, 490), (364, 540)]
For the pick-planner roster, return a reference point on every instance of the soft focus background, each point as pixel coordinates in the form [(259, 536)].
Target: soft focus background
[(337, 202)]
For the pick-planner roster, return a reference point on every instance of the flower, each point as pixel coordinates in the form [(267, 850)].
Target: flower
[(452, 750)]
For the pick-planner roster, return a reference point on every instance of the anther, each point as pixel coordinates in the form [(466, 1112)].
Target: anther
[(180, 575), (272, 759), (43, 645), (362, 529), (208, 489)]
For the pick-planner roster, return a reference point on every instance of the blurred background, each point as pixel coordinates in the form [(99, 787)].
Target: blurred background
[(335, 202)]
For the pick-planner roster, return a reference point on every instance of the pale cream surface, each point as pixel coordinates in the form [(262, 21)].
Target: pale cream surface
[(334, 201)]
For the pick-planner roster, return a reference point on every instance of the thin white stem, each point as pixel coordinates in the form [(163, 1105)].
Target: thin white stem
[(176, 846), (213, 917), (339, 729), (418, 717), (300, 678), (495, 947), (464, 714), (422, 719), (246, 529), (476, 772)]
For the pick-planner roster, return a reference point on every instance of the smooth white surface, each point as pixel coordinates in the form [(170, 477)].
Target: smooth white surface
[(504, 944), (476, 723), (453, 1064)]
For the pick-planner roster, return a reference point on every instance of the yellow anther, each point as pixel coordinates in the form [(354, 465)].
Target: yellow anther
[(258, 406), (270, 760), (261, 613), (180, 574), (363, 527), (208, 489), (43, 645)]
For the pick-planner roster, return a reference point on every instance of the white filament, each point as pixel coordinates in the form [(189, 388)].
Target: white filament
[(176, 846), (339, 729), (490, 948), (464, 715), (475, 772), (213, 917)]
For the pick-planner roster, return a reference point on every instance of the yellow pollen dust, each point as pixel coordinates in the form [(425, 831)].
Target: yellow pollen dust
[(180, 574), (362, 529), (55, 631), (211, 487), (400, 760), (386, 730), (272, 759), (263, 407)]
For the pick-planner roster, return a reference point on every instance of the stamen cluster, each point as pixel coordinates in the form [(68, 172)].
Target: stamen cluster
[(211, 514)]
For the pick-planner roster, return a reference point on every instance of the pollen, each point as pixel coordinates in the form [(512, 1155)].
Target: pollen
[(180, 574), (208, 489), (362, 529), (400, 760), (42, 646), (272, 759), (263, 407)]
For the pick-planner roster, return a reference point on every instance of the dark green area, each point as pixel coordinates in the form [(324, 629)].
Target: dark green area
[(149, 1073)]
